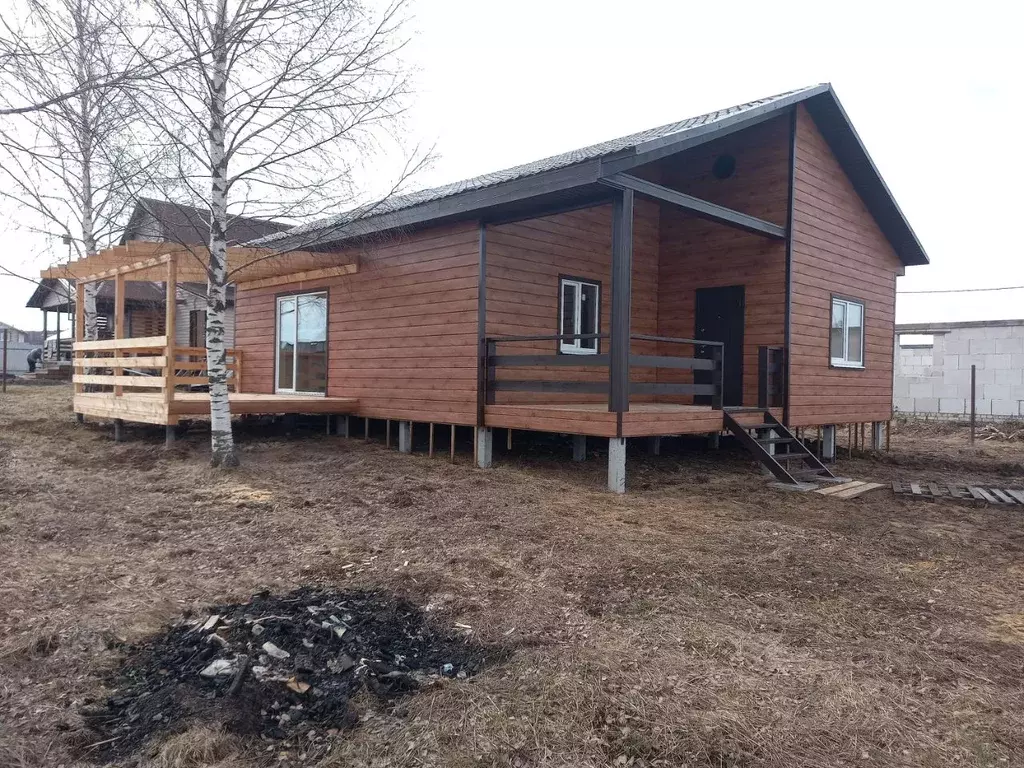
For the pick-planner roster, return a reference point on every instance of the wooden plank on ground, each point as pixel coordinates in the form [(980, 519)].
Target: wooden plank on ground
[(850, 493), (981, 494), (829, 490), (1001, 496), (915, 488), (1018, 495)]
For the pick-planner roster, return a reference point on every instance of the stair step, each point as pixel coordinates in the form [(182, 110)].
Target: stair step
[(791, 455), (775, 440)]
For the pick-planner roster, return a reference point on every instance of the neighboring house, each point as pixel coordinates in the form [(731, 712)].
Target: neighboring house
[(715, 273), (15, 335), (155, 221), (933, 368)]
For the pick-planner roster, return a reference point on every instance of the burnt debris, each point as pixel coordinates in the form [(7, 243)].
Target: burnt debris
[(279, 668)]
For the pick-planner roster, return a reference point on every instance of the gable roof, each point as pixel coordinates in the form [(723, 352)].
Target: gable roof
[(188, 225), (572, 177)]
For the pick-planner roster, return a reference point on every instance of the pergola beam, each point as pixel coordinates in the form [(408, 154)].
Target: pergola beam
[(245, 265), (696, 206)]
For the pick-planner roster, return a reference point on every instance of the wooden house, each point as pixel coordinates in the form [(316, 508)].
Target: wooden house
[(734, 271)]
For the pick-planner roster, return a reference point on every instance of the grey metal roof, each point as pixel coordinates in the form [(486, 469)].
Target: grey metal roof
[(581, 168), (186, 224)]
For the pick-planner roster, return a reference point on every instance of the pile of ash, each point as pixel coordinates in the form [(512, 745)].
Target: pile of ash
[(278, 667)]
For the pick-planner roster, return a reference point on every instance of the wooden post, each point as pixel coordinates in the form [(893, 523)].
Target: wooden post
[(888, 432), (849, 438), (237, 353), (366, 429), (819, 440), (5, 360), (974, 372), (431, 450), (79, 333), (118, 324), (171, 301), (452, 445), (387, 437), (508, 445)]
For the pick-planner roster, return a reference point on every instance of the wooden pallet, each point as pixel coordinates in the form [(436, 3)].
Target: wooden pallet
[(949, 491), (848, 490)]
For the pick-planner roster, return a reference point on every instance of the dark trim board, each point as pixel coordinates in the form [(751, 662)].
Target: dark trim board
[(622, 277), (790, 233), (481, 327), (700, 208)]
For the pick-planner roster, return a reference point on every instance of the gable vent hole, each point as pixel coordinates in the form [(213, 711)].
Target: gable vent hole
[(724, 166)]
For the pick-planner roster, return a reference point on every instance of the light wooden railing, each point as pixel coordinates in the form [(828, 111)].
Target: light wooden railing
[(146, 363)]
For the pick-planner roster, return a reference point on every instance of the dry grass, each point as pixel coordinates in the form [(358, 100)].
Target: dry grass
[(702, 620), (197, 747)]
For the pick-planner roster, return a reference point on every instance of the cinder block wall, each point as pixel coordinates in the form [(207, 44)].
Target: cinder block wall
[(937, 380)]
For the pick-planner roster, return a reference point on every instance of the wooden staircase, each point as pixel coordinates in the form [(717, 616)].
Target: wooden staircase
[(775, 446)]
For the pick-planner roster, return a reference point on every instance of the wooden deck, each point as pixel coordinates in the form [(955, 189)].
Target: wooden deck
[(151, 408), (594, 419)]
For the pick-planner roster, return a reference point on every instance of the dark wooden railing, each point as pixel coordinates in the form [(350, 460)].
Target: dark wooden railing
[(491, 361), (771, 377)]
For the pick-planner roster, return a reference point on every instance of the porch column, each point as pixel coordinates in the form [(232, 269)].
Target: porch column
[(622, 270), (481, 327), (617, 464), (828, 442), (484, 447)]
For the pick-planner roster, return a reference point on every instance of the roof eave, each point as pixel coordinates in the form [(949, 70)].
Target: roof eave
[(846, 144)]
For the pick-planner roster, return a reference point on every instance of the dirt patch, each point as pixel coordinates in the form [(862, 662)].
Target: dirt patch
[(280, 668), (703, 619)]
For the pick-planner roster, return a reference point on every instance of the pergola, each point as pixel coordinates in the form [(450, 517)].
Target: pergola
[(137, 378)]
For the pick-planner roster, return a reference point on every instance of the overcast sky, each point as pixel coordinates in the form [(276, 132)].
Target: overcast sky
[(934, 91)]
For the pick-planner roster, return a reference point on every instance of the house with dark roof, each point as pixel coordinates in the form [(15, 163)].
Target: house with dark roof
[(733, 272), (153, 221)]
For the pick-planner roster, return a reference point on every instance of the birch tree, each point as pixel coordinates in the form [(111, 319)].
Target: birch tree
[(72, 165), (281, 102)]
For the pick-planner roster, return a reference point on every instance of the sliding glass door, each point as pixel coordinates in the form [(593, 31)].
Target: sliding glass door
[(301, 359)]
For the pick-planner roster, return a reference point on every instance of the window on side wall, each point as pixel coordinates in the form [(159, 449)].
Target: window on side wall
[(579, 312), (846, 342)]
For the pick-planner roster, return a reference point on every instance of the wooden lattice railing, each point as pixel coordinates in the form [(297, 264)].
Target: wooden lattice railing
[(145, 363)]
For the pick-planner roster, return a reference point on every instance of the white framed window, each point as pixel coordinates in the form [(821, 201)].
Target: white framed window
[(846, 341), (579, 312), (300, 361)]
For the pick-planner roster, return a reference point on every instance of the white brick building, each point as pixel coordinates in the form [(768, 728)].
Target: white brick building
[(933, 368)]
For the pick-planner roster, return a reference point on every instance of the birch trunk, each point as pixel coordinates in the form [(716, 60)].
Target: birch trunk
[(222, 443), (84, 69)]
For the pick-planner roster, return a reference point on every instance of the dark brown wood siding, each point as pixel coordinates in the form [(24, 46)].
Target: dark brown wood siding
[(701, 254), (401, 331), (838, 249)]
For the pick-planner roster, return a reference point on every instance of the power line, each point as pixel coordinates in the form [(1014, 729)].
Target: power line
[(970, 290)]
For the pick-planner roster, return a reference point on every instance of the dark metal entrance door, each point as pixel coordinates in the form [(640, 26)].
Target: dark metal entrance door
[(719, 316)]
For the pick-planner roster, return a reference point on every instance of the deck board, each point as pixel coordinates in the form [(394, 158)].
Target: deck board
[(150, 408), (594, 419)]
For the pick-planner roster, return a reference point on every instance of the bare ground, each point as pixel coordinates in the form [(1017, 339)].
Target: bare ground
[(701, 620)]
